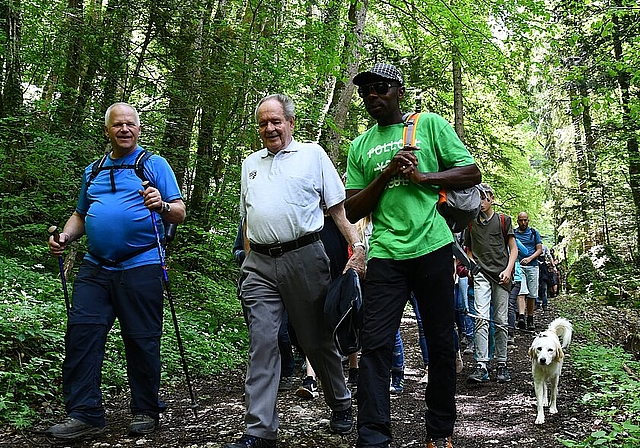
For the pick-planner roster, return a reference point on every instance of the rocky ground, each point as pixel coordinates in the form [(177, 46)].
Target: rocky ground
[(489, 415)]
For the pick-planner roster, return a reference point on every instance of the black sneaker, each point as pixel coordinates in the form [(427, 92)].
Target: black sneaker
[(286, 383), (142, 424), (502, 373), (309, 389), (397, 383), (247, 441), (530, 325), (521, 323), (479, 375), (341, 421), (72, 428)]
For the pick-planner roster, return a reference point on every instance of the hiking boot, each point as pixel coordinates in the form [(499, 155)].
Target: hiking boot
[(309, 389), (479, 375), (341, 421), (352, 381), (286, 383), (459, 363), (397, 382), (502, 373), (142, 424), (247, 441), (72, 428), (443, 442), (470, 349), (530, 325), (521, 323)]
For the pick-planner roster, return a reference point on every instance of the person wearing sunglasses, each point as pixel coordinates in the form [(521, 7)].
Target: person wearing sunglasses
[(410, 249)]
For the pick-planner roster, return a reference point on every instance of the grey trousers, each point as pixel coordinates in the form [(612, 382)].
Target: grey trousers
[(297, 280)]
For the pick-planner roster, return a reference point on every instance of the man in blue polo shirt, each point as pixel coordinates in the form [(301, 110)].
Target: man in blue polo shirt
[(530, 239), (120, 277)]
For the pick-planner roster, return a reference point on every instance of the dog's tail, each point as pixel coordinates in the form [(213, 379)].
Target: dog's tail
[(563, 328)]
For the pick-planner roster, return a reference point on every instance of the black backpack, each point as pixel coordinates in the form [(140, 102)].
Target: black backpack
[(137, 166)]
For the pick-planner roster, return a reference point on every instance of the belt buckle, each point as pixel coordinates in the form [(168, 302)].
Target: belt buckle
[(275, 251)]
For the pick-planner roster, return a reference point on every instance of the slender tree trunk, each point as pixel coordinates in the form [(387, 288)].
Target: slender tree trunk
[(458, 97), (71, 76), (10, 69), (344, 92)]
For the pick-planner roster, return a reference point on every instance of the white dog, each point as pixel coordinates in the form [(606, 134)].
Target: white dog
[(546, 363)]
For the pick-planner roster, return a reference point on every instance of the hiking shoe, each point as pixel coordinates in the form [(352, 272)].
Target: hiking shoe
[(142, 424), (470, 349), (502, 373), (521, 323), (397, 382), (247, 441), (444, 442), (530, 325), (286, 383), (479, 375), (309, 389), (459, 363), (72, 428), (341, 421)]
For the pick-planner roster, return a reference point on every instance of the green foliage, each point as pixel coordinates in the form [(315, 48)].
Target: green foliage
[(612, 392), (602, 273), (31, 334)]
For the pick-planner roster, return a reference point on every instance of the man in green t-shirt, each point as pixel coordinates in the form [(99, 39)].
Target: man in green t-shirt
[(410, 249)]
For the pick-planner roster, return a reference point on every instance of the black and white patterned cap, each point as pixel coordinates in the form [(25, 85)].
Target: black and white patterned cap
[(379, 70)]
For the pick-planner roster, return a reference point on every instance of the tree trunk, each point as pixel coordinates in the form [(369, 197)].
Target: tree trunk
[(458, 103), (344, 92), (71, 75), (10, 71)]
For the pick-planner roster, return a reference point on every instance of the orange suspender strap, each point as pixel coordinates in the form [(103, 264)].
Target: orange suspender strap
[(410, 123)]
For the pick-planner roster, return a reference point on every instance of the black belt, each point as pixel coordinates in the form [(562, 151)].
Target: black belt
[(275, 250)]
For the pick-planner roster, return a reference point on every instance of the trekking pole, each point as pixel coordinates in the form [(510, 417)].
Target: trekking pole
[(53, 230), (174, 318)]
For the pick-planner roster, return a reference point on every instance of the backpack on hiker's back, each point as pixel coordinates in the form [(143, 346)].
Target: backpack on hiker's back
[(457, 206)]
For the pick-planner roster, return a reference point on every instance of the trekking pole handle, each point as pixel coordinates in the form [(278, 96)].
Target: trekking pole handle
[(53, 230)]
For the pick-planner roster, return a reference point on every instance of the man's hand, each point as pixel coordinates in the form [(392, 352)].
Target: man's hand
[(152, 198), (504, 277), (403, 162), (56, 248), (358, 261)]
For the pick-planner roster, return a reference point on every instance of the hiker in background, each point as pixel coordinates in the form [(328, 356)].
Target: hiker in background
[(120, 277), (513, 303), (544, 279), (528, 253), (399, 187), (490, 243), (282, 188), (463, 320)]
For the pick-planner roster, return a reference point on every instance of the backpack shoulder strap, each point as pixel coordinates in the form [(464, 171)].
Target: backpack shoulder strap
[(138, 165), (96, 167), (504, 229), (410, 123)]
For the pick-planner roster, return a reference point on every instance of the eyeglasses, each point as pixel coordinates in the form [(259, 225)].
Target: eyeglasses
[(381, 88)]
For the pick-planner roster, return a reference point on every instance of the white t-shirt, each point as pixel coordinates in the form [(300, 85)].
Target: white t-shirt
[(281, 195)]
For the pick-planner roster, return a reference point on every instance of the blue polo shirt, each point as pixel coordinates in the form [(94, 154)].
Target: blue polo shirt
[(117, 223)]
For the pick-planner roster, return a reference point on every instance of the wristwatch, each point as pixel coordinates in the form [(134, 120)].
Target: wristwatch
[(166, 208), (358, 244)]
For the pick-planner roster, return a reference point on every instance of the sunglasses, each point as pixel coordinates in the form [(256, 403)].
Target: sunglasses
[(381, 88)]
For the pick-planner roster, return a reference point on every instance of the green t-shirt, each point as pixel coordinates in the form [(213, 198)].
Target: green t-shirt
[(406, 223)]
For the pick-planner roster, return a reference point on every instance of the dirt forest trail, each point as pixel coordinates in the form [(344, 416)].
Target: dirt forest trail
[(489, 415)]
